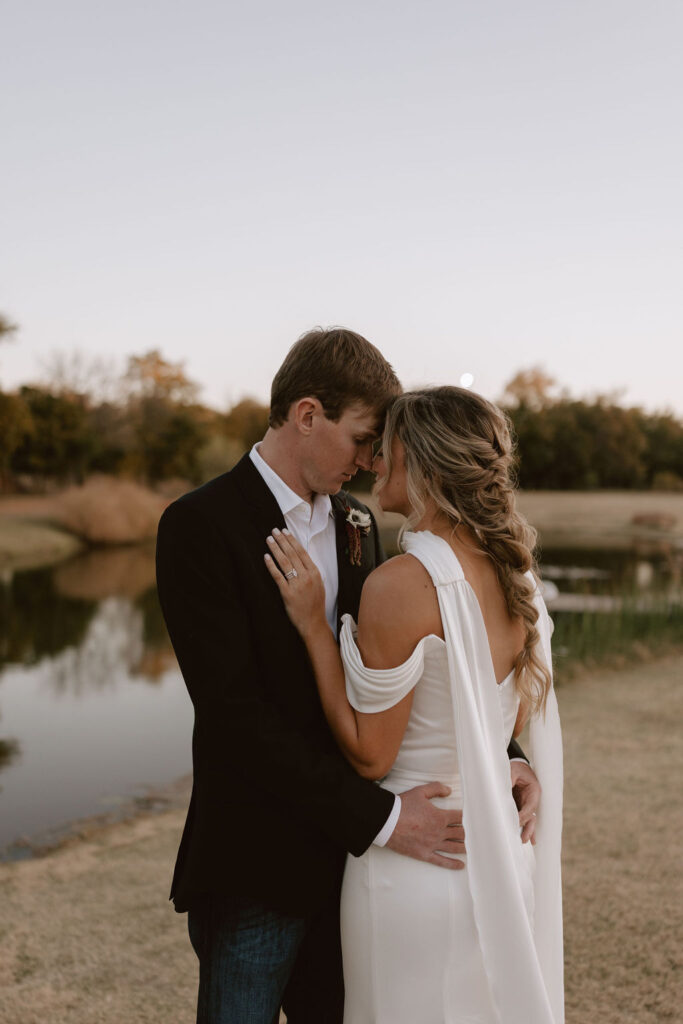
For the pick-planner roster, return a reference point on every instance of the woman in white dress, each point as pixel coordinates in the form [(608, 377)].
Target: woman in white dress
[(450, 658)]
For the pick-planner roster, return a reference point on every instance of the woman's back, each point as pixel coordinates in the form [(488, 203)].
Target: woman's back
[(415, 608), (428, 749), (459, 936)]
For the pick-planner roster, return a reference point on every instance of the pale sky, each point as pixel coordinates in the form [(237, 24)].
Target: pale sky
[(476, 187)]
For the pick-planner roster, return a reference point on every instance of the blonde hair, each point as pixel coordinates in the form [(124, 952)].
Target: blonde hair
[(459, 454)]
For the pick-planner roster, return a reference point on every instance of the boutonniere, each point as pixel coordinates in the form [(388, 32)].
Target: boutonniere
[(358, 524)]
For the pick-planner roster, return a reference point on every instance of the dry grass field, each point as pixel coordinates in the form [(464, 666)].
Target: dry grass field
[(87, 935), (102, 511), (584, 519), (601, 518)]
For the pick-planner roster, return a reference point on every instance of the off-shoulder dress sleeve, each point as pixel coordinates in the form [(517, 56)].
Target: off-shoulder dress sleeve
[(371, 690)]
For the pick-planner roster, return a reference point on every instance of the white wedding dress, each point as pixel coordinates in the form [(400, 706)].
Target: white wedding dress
[(423, 945)]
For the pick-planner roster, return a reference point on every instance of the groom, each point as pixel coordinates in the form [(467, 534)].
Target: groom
[(275, 807)]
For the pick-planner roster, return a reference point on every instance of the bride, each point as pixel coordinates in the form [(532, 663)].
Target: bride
[(450, 658)]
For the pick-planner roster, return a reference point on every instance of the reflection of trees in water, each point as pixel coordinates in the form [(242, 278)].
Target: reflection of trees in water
[(110, 649), (36, 621), (59, 613), (107, 572), (9, 751), (156, 634)]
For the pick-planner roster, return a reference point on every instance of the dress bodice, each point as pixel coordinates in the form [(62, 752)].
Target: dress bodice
[(428, 749)]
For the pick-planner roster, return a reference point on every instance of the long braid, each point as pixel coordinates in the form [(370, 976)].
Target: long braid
[(459, 453)]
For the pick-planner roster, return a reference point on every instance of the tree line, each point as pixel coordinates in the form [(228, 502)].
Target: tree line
[(566, 443), (148, 424)]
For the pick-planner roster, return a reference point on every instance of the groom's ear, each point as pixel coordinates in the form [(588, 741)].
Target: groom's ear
[(303, 413)]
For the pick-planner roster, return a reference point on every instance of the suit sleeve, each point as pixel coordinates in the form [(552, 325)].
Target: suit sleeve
[(242, 733), (514, 750)]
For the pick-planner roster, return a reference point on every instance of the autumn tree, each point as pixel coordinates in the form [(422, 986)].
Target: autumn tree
[(532, 388), (15, 426), (247, 422), (664, 439), (579, 445), (168, 427), (150, 376), (57, 443)]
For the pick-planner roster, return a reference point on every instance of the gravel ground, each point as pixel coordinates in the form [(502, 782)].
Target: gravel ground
[(87, 935)]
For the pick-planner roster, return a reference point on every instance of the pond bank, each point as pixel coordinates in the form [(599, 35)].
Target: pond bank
[(26, 544), (88, 936), (29, 538)]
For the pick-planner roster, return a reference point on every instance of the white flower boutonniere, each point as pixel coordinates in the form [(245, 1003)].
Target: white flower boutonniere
[(358, 524)]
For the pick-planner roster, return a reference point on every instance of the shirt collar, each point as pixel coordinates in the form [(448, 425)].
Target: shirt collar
[(287, 499)]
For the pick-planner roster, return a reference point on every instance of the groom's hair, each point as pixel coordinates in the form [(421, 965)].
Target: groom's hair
[(336, 366)]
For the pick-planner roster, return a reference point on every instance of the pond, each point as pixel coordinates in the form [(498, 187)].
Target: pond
[(94, 711), (608, 603)]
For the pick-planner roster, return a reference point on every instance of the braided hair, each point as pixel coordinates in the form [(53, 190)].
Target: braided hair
[(459, 455)]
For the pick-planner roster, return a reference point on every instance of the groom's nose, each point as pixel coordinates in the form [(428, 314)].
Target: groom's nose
[(364, 456)]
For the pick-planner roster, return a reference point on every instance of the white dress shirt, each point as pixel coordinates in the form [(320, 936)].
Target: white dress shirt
[(314, 528)]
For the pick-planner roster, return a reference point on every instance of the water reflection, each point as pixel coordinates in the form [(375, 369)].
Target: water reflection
[(111, 646), (78, 729), (614, 605), (9, 751), (655, 567), (36, 621), (94, 616), (94, 707), (107, 572)]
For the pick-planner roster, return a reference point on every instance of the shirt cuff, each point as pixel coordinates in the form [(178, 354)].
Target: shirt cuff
[(389, 825), (522, 759)]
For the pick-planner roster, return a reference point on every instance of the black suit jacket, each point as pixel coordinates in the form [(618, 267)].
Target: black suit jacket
[(274, 804)]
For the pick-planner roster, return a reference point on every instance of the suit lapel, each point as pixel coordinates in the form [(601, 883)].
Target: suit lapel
[(261, 514), (264, 511), (350, 579)]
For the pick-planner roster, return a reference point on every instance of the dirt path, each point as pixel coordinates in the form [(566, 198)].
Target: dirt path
[(87, 935)]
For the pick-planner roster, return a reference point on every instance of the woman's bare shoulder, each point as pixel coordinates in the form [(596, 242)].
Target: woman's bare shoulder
[(396, 576), (398, 607)]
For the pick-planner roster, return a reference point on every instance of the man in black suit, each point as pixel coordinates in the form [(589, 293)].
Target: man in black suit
[(275, 807)]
